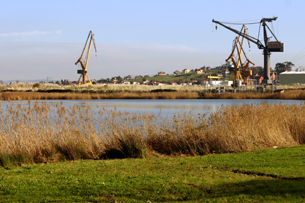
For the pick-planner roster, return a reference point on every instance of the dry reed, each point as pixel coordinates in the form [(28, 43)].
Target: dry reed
[(47, 91), (51, 132), (288, 94), (89, 96)]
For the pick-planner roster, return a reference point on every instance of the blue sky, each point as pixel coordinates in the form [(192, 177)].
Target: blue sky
[(41, 39)]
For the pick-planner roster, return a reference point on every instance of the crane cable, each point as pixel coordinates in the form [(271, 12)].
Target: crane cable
[(249, 22), (299, 56), (240, 23)]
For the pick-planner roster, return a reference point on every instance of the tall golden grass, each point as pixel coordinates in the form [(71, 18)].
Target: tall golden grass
[(288, 94), (38, 133), (89, 96), (120, 88)]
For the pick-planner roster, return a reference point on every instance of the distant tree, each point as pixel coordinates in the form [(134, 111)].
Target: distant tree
[(300, 68), (1, 82), (65, 82), (281, 67), (256, 69)]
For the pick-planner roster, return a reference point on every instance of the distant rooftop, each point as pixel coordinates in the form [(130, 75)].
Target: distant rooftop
[(292, 72)]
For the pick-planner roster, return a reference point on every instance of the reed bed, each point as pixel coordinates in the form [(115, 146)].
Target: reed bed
[(108, 88), (288, 94), (41, 132), (88, 96), (102, 88)]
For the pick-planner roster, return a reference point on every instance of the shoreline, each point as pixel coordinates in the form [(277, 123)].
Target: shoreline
[(19, 95)]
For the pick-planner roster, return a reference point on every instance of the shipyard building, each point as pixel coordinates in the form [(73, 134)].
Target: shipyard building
[(290, 78)]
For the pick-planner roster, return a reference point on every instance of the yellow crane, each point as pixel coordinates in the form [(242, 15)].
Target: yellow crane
[(268, 46), (84, 62), (241, 70)]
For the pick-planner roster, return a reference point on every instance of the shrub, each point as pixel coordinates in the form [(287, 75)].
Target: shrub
[(36, 85)]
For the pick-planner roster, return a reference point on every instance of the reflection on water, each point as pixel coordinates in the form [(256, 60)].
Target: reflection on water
[(167, 107)]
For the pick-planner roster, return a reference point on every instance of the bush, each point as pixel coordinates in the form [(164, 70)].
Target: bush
[(36, 85)]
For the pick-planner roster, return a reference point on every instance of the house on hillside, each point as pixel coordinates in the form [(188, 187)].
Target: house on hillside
[(146, 82), (115, 81), (161, 73), (173, 83), (186, 70), (204, 82), (128, 77), (138, 76), (194, 82), (199, 71), (136, 83), (153, 82), (146, 76), (177, 72), (126, 82)]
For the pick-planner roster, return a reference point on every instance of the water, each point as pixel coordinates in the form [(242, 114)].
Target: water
[(162, 107)]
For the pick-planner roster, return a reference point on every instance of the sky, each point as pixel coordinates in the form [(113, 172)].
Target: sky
[(43, 39)]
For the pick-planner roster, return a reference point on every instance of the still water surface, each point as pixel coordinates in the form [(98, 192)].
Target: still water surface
[(162, 107)]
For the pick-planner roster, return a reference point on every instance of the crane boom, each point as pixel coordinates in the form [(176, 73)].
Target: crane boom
[(83, 72), (248, 37)]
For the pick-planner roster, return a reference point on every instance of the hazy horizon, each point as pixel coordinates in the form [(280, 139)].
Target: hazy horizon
[(41, 39)]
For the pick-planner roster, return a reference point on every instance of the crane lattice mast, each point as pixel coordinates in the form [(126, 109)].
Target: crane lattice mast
[(241, 70), (84, 62)]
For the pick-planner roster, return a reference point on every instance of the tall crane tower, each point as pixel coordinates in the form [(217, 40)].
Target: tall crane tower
[(84, 61), (268, 46)]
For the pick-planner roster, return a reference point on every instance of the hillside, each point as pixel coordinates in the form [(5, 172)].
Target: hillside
[(181, 78)]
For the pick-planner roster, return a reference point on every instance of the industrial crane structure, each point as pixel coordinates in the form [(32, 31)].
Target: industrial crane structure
[(84, 61), (241, 70), (268, 46)]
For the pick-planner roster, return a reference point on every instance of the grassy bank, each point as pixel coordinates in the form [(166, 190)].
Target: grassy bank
[(40, 133), (275, 175)]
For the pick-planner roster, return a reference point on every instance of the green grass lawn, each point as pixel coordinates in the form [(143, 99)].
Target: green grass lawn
[(275, 175)]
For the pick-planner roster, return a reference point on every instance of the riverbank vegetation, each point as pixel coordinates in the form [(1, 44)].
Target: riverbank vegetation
[(154, 94), (41, 132), (274, 175), (47, 91)]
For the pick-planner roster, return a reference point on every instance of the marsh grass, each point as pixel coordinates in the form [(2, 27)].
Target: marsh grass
[(140, 92), (39, 133), (89, 95)]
